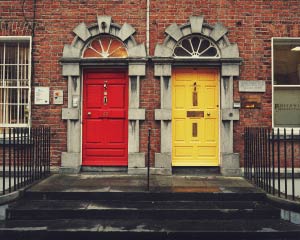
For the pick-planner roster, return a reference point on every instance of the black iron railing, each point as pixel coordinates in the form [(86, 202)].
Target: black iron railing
[(148, 159), (25, 156), (271, 158)]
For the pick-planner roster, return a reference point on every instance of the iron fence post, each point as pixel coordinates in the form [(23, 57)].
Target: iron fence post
[(3, 162), (148, 159)]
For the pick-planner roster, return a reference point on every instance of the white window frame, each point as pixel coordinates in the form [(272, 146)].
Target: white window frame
[(8, 39), (281, 129)]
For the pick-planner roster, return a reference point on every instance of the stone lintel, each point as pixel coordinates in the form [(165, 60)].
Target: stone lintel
[(218, 32), (163, 114), (174, 31), (230, 114), (82, 32), (70, 114), (126, 31), (71, 69), (196, 23), (104, 23), (136, 114)]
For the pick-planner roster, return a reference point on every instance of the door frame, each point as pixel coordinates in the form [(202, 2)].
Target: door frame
[(228, 61), (219, 112), (102, 70), (72, 64)]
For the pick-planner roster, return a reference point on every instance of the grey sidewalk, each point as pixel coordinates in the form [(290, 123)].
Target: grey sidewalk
[(86, 182)]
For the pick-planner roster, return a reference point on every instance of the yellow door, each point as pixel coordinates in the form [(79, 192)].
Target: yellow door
[(195, 117)]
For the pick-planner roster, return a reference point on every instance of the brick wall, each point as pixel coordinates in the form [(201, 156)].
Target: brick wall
[(251, 25)]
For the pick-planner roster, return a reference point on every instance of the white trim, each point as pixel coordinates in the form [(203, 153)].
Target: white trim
[(296, 130), (15, 38), (272, 82), (20, 39), (286, 86)]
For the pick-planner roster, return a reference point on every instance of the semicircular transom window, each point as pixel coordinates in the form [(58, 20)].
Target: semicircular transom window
[(105, 47), (196, 46)]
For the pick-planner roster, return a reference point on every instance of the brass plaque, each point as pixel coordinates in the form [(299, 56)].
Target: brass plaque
[(195, 114), (251, 101), (195, 130)]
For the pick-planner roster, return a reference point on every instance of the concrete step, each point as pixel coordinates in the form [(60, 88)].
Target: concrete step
[(259, 229), (123, 204), (149, 196), (143, 214), (71, 209)]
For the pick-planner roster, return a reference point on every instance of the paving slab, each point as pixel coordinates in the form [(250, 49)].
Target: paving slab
[(136, 183)]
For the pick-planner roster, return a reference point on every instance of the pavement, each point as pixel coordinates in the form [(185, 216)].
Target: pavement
[(89, 182), (118, 206)]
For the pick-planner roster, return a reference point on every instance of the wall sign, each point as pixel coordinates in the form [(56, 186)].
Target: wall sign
[(287, 107), (252, 86), (58, 97), (41, 95)]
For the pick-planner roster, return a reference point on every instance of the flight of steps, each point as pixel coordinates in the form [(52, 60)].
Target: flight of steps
[(144, 215)]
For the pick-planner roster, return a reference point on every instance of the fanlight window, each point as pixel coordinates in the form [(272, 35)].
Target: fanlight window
[(196, 47), (105, 47)]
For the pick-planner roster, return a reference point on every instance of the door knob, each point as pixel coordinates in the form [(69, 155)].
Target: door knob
[(208, 114), (89, 113)]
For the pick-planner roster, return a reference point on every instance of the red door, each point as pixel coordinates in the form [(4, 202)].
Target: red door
[(105, 118)]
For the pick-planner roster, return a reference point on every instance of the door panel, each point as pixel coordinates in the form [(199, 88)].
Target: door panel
[(92, 136), (195, 117), (105, 119)]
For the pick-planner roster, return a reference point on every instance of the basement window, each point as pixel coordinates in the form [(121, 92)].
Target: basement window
[(15, 82), (286, 82)]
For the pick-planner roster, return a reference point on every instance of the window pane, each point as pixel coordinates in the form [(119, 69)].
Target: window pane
[(23, 53), (11, 75), (196, 46), (11, 53), (23, 76), (1, 106), (286, 107), (1, 53), (105, 47), (286, 53), (179, 51), (12, 114), (1, 62)]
